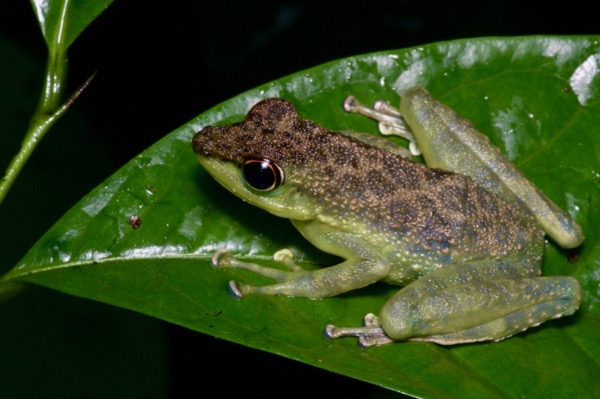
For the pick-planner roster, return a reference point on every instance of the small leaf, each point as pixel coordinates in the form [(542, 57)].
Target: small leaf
[(66, 18), (143, 239)]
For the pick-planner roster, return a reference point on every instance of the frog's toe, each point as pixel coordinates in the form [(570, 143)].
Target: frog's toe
[(221, 258), (234, 290), (351, 104), (329, 331), (370, 320), (364, 341), (385, 108), (286, 258), (367, 336)]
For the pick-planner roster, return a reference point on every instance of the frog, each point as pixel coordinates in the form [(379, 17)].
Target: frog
[(462, 235)]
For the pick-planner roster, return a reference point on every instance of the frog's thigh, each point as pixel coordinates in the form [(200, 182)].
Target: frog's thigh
[(475, 307), (363, 266)]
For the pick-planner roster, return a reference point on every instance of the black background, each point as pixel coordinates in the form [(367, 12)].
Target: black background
[(160, 65)]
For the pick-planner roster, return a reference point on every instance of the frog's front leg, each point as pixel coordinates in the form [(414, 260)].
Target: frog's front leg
[(479, 301), (363, 266)]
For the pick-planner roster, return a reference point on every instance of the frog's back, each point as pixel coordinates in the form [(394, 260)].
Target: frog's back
[(417, 212)]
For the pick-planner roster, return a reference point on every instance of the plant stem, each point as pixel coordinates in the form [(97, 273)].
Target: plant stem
[(40, 125), (48, 110)]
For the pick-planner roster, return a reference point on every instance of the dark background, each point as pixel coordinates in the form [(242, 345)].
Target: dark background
[(158, 67)]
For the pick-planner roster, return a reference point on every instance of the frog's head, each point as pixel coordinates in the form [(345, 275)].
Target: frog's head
[(265, 159)]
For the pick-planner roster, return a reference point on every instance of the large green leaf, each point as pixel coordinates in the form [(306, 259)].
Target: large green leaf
[(537, 98)]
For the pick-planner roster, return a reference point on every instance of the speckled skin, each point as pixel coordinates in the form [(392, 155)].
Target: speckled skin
[(424, 217), (469, 257)]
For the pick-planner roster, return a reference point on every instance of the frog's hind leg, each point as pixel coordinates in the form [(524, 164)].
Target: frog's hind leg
[(479, 301), (450, 142), (390, 124), (486, 300), (499, 329)]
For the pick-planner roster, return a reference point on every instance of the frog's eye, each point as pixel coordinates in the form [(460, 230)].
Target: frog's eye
[(263, 174)]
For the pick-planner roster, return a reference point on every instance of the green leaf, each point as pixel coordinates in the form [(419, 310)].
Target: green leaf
[(62, 21), (536, 98)]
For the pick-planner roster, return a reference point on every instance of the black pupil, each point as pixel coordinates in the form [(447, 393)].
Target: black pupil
[(260, 174)]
